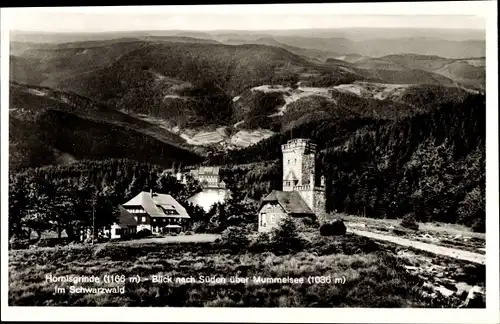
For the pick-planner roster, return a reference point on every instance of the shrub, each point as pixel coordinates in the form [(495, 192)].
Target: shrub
[(261, 242), (235, 237), (285, 238), (200, 227), (114, 252), (409, 221), (310, 222), (252, 227), (143, 233), (479, 225), (188, 233), (51, 242), (16, 243), (399, 231), (336, 227)]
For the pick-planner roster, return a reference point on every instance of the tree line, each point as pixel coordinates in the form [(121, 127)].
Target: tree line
[(86, 194)]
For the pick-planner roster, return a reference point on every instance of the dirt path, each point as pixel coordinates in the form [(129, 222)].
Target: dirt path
[(454, 253)]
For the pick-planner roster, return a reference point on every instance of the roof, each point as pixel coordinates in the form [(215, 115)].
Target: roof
[(206, 171), (125, 218), (156, 204), (173, 226), (290, 201)]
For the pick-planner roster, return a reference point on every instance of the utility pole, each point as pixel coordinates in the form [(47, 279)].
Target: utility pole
[(93, 218)]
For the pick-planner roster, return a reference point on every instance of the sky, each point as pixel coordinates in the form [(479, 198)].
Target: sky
[(250, 17)]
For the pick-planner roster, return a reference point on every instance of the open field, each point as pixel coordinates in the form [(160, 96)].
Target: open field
[(363, 271), (291, 95)]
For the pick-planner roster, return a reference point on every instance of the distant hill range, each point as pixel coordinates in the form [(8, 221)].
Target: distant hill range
[(468, 71), (453, 43), (193, 92)]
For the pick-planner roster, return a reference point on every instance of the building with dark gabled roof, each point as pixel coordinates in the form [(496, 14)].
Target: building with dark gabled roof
[(159, 213), (125, 225), (301, 195)]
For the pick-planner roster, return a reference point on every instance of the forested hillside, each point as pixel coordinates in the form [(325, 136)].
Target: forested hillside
[(51, 127), (431, 164), (191, 83)]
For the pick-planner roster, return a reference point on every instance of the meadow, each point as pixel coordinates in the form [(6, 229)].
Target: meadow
[(373, 276)]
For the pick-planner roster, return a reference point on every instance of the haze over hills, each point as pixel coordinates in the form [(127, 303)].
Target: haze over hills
[(353, 33)]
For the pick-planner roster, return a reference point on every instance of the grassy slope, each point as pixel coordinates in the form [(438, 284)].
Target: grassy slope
[(369, 274)]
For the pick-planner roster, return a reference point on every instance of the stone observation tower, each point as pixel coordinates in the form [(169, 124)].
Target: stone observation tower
[(299, 157)]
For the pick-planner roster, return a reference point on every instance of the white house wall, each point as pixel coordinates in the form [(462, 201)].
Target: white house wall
[(270, 217)]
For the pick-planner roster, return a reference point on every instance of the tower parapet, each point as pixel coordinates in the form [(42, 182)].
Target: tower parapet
[(299, 143)]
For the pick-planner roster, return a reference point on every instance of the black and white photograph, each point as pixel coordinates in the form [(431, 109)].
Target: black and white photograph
[(251, 158)]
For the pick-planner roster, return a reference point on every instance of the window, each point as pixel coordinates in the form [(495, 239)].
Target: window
[(154, 220), (273, 219), (135, 217), (117, 231), (262, 218), (143, 219)]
